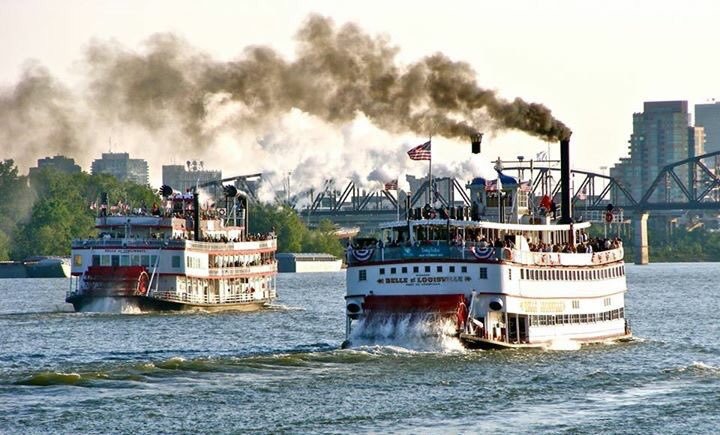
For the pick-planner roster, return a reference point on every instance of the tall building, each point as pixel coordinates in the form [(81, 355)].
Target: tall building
[(122, 167), (193, 173), (59, 163), (661, 135), (708, 117)]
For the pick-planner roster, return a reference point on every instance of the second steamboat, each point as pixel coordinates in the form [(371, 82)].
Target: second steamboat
[(174, 257)]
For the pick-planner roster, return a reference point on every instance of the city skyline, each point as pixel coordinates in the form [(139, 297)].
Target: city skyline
[(564, 55)]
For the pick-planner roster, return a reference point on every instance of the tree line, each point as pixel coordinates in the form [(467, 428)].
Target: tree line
[(43, 214)]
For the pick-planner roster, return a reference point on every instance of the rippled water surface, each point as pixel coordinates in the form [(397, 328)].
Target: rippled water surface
[(281, 370)]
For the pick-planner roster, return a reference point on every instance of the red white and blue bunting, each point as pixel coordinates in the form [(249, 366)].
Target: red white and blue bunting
[(482, 253), (362, 254)]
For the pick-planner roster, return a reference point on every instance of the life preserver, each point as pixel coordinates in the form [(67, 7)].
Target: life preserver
[(142, 285), (462, 313), (221, 212)]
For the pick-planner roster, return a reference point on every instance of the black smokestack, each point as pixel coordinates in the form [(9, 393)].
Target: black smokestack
[(476, 140), (196, 216), (566, 217)]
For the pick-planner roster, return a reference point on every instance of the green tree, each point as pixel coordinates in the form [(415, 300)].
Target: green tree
[(290, 229), (323, 239), (62, 210)]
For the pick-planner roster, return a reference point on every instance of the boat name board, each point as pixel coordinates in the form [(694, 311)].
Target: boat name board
[(542, 306), (423, 280)]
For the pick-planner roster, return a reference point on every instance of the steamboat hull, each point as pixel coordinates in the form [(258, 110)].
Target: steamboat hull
[(90, 303), (474, 342)]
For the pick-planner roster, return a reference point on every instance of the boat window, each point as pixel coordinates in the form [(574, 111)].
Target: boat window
[(427, 269), (96, 260), (483, 273), (607, 302), (393, 270), (153, 260), (509, 273), (522, 273), (439, 268), (176, 262), (416, 269), (576, 318), (362, 275), (124, 260), (104, 260), (452, 269), (145, 260), (135, 260), (404, 269), (463, 269), (382, 271), (576, 304)]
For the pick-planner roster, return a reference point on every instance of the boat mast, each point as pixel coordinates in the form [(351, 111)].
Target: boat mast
[(430, 178)]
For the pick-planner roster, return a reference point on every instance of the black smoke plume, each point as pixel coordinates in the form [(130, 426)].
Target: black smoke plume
[(338, 72)]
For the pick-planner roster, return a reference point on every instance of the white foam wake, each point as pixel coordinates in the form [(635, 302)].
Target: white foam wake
[(416, 332), (112, 305), (562, 343)]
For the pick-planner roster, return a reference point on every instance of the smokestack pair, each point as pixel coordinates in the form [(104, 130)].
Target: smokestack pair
[(566, 214)]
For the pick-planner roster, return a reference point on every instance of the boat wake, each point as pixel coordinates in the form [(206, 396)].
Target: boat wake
[(415, 332), (562, 344), (112, 305)]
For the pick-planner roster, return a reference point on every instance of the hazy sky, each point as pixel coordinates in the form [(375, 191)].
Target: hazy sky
[(592, 63)]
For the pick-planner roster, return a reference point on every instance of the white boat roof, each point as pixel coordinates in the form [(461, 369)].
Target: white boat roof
[(488, 224)]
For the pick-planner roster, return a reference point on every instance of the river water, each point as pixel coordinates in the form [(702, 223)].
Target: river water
[(282, 371)]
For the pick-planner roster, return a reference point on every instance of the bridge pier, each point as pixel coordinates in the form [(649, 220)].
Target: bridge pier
[(640, 236)]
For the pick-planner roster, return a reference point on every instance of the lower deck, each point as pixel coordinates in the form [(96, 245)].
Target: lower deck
[(476, 342)]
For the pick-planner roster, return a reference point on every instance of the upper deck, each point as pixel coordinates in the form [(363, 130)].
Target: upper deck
[(459, 240), (268, 244)]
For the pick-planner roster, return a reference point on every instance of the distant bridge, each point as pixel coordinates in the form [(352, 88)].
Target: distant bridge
[(689, 184)]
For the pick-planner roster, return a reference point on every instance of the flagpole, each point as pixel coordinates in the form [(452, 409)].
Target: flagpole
[(430, 180)]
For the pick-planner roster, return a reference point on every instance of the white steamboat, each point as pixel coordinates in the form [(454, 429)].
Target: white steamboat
[(506, 278), (174, 257)]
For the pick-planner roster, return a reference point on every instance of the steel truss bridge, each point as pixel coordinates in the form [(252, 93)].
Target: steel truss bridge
[(689, 184)]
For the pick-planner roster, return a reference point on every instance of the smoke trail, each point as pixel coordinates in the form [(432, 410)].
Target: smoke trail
[(252, 109)]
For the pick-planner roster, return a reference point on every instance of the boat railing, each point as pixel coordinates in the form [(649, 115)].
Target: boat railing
[(233, 246), (472, 251), (428, 250), (230, 271), (205, 299), (130, 243), (562, 258), (175, 243)]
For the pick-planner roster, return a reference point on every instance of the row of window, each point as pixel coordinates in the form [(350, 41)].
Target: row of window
[(362, 273), (120, 260), (567, 319), (427, 269), (572, 275)]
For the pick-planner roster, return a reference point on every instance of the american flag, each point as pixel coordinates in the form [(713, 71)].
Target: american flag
[(392, 185), (420, 152)]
